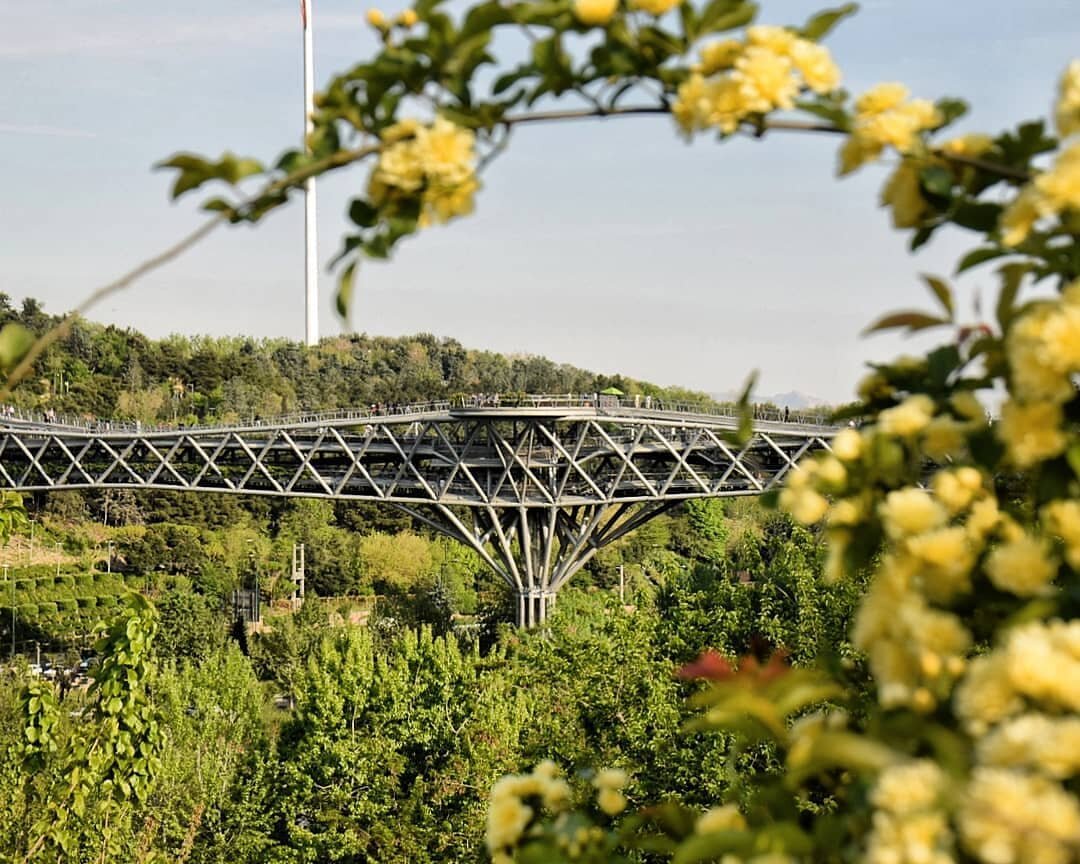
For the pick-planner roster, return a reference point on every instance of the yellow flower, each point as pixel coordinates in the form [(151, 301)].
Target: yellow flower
[(611, 801), (1039, 356), (881, 98), (1031, 431), (806, 505), (655, 7), (973, 145), (908, 418), (986, 694), (1062, 519), (718, 56), (1061, 338), (984, 518), (611, 778), (444, 203), (765, 79), (1047, 744), (899, 127), (595, 12), (1042, 660), (816, 65), (1011, 816), (902, 193), (376, 18), (1060, 186), (910, 511), (408, 18), (944, 438), (701, 103), (847, 444), (831, 473), (1023, 566), (778, 40), (954, 492), (1020, 216), (725, 818), (1067, 112), (949, 556), (398, 167), (909, 787), (446, 151), (507, 820), (845, 513)]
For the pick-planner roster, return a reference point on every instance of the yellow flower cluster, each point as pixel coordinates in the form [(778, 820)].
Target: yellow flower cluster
[(654, 7), (609, 785), (595, 13), (1049, 194), (1043, 349), (886, 117), (1010, 817), (909, 826), (902, 192), (1067, 113), (915, 651), (1039, 664), (736, 80), (435, 161), (1035, 741), (508, 813), (724, 818), (1061, 519)]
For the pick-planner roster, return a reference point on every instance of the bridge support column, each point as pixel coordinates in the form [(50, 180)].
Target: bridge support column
[(533, 608), (536, 550)]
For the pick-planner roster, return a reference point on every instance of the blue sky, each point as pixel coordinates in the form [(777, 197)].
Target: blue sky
[(614, 245)]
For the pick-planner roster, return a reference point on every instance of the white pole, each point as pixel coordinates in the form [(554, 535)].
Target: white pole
[(311, 252)]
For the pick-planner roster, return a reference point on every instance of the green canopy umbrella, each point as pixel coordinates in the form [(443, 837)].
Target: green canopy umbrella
[(612, 391)]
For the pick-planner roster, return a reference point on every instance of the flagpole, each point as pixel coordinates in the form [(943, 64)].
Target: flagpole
[(311, 252)]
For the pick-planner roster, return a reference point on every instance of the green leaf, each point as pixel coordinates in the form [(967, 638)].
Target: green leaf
[(831, 111), (922, 236), (820, 25), (1073, 457), (978, 256), (343, 298), (940, 289), (936, 180), (950, 109), (362, 213), (537, 13), (712, 846), (941, 363), (504, 82), (484, 17), (978, 216), (913, 321), (15, 341), (1011, 277), (721, 15)]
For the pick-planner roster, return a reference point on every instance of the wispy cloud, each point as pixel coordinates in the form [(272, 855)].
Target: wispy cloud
[(152, 34), (46, 131)]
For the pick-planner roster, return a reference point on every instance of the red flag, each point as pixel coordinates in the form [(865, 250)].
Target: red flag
[(303, 12)]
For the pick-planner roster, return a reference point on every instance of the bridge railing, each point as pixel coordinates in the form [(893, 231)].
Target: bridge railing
[(599, 402)]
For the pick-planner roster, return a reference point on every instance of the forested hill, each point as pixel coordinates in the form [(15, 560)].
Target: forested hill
[(108, 372)]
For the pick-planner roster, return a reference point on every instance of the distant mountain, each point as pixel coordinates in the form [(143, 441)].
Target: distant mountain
[(792, 399)]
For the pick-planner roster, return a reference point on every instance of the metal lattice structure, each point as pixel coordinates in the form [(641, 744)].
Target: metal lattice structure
[(535, 490)]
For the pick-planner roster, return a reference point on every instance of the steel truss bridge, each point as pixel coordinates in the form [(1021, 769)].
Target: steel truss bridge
[(536, 488)]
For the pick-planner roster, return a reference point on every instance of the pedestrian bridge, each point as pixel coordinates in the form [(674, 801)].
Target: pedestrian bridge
[(535, 484)]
